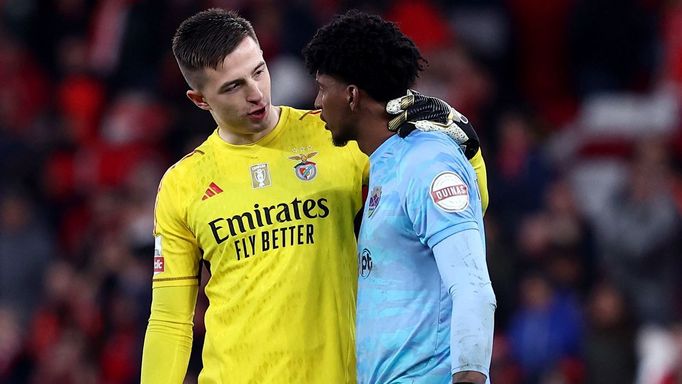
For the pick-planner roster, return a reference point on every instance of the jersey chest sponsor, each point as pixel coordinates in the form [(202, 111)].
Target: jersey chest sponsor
[(269, 227)]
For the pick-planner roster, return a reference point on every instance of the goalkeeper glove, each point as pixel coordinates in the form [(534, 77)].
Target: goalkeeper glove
[(426, 113)]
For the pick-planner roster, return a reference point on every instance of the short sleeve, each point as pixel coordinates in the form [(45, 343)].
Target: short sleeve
[(442, 195), (176, 253)]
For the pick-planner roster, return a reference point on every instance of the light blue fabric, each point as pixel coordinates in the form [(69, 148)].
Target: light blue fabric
[(462, 266), (422, 190)]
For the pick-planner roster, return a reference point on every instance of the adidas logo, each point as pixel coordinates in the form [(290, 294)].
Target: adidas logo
[(212, 190)]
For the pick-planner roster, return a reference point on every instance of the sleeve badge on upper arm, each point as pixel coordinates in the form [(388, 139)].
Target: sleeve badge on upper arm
[(159, 263), (374, 199), (449, 192)]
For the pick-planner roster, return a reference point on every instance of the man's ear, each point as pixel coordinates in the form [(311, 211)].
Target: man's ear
[(198, 99), (353, 97)]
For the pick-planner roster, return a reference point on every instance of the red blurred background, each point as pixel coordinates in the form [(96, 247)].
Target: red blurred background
[(577, 103)]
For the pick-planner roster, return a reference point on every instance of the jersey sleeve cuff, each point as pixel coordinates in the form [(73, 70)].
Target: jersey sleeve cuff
[(471, 367), (440, 236), (179, 281)]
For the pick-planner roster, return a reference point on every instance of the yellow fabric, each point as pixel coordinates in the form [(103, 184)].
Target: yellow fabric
[(280, 248), (168, 341), (482, 177)]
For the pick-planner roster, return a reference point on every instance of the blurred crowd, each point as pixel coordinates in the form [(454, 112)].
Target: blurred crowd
[(577, 103)]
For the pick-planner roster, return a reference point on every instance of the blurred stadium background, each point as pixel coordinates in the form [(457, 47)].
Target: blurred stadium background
[(577, 103)]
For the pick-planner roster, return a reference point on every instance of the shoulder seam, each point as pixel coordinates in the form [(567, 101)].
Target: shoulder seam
[(196, 151), (311, 112)]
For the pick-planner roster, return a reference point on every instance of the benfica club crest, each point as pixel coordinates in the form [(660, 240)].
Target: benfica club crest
[(305, 170), (374, 198)]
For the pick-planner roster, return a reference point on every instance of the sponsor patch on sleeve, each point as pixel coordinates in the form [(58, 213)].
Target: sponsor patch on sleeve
[(449, 192), (159, 263)]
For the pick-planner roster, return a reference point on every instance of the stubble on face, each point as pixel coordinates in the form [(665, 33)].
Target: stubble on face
[(331, 99), (239, 94), (339, 142), (344, 134)]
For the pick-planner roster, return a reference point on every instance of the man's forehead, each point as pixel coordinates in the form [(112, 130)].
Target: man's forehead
[(246, 53), (236, 65), (325, 79)]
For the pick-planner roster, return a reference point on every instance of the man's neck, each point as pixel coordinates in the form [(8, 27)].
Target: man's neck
[(373, 130), (241, 138)]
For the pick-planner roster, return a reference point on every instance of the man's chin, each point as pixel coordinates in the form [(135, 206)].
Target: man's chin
[(339, 142)]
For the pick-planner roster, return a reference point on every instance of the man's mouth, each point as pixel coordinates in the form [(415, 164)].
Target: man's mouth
[(258, 114)]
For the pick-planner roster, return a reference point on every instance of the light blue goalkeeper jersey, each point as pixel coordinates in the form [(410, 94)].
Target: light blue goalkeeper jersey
[(422, 189)]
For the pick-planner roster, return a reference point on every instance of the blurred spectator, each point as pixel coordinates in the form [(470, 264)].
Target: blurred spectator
[(44, 24), (503, 266), (138, 212), (503, 367), (639, 234), (24, 97), (609, 340), (657, 354), (519, 171), (267, 20), (423, 22), (80, 96), (672, 44), (124, 46), (454, 75), (25, 93), (545, 331), (612, 45), (291, 82), (68, 361), (674, 375), (121, 352), (484, 28), (640, 242), (11, 343), (563, 240), (542, 59), (25, 253)]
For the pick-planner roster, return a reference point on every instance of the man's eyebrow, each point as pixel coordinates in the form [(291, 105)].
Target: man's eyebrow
[(259, 66), (239, 81), (229, 83)]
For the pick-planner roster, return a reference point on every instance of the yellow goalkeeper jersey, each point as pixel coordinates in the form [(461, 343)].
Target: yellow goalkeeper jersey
[(273, 221)]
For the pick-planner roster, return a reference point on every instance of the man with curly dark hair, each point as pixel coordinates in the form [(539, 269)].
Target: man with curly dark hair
[(425, 303)]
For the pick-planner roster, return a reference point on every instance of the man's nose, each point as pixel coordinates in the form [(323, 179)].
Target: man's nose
[(254, 93)]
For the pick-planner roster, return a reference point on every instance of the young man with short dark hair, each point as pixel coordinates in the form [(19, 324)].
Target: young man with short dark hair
[(267, 203)]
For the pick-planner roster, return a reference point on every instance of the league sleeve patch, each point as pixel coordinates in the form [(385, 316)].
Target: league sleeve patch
[(159, 263), (449, 192)]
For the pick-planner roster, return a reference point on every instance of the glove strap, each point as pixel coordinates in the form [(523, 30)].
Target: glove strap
[(395, 123)]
